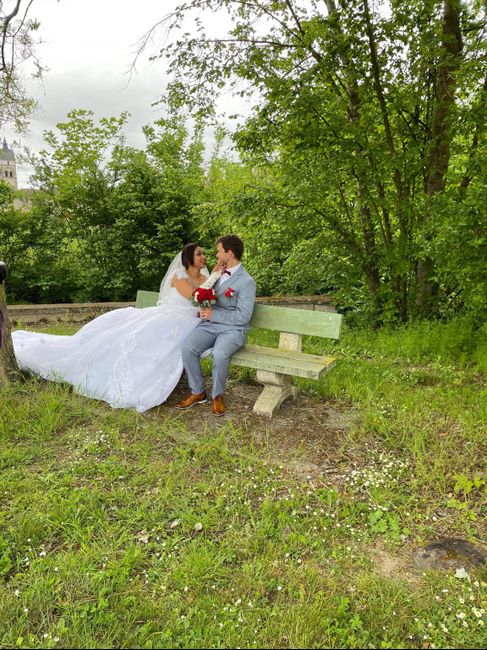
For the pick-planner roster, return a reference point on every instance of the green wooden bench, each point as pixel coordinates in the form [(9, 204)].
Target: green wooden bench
[(276, 366)]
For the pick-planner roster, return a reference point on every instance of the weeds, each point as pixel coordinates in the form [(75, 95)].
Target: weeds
[(122, 530)]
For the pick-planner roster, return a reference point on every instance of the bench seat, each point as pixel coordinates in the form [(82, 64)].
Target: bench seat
[(286, 362), (276, 366)]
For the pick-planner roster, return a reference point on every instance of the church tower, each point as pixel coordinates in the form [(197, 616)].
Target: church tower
[(8, 166)]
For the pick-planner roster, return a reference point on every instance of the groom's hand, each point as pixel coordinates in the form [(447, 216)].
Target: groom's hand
[(206, 313)]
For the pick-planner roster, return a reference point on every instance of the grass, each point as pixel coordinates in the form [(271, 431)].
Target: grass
[(126, 530)]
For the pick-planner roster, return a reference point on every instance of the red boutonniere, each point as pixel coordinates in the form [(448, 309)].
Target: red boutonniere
[(229, 292)]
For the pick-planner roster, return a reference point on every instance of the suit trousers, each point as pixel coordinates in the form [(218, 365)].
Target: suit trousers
[(224, 341)]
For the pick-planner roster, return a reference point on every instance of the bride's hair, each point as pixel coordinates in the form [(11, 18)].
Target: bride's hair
[(187, 255)]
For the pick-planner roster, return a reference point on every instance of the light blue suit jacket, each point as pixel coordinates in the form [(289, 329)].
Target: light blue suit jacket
[(235, 312)]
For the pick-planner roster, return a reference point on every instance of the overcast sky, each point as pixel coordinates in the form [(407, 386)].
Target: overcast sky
[(88, 47)]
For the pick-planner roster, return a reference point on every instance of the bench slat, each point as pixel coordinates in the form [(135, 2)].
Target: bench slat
[(281, 319), (298, 364), (297, 321), (146, 299)]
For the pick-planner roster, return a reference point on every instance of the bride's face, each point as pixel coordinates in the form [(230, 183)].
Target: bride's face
[(199, 258)]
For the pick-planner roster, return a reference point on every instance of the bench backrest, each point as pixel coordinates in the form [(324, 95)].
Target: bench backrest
[(146, 299), (280, 319)]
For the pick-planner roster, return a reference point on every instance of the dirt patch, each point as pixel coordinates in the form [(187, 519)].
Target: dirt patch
[(448, 553), (391, 567), (308, 436)]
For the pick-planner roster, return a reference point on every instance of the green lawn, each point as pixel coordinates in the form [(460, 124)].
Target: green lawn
[(126, 530)]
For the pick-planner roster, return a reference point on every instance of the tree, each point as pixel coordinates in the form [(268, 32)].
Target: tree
[(117, 215), (361, 114), (17, 45), (8, 364)]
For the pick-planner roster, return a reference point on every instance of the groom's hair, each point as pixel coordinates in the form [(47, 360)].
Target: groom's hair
[(187, 255), (232, 243)]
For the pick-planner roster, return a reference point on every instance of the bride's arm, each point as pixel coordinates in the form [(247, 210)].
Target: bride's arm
[(212, 278), (185, 288)]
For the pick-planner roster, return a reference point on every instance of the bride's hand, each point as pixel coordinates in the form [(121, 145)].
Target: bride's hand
[(217, 267)]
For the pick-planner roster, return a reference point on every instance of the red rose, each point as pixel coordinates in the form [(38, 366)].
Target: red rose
[(229, 292), (204, 297)]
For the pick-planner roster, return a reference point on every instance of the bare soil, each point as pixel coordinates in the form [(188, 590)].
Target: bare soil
[(307, 436)]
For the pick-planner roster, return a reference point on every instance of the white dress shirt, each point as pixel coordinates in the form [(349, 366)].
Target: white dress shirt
[(225, 277)]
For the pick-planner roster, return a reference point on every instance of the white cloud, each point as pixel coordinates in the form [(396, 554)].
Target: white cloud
[(88, 47)]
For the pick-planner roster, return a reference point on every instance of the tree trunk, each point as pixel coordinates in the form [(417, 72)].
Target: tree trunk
[(441, 137), (370, 263), (8, 364)]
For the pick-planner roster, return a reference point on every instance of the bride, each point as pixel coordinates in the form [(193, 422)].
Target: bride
[(127, 357)]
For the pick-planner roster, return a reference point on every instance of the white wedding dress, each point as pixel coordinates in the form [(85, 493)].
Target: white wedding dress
[(128, 357)]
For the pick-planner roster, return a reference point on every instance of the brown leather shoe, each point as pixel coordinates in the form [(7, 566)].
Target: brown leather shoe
[(217, 405), (191, 400)]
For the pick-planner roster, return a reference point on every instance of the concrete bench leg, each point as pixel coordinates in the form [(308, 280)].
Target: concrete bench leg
[(277, 388)]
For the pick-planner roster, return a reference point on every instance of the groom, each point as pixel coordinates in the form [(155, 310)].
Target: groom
[(223, 327)]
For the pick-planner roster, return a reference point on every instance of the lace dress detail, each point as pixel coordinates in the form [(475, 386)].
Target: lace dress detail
[(128, 357)]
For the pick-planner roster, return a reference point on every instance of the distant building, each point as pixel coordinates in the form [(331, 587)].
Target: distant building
[(8, 166)]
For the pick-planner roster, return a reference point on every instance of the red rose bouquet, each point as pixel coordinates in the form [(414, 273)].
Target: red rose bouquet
[(204, 298)]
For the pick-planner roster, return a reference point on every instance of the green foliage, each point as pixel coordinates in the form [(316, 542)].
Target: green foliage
[(5, 560), (106, 219), (361, 167), (357, 154)]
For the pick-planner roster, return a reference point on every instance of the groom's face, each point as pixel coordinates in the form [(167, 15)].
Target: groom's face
[(223, 256)]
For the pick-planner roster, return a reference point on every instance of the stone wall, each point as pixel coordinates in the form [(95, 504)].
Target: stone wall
[(61, 313), (28, 315)]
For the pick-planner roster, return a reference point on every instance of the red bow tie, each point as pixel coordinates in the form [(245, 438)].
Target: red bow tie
[(226, 273)]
